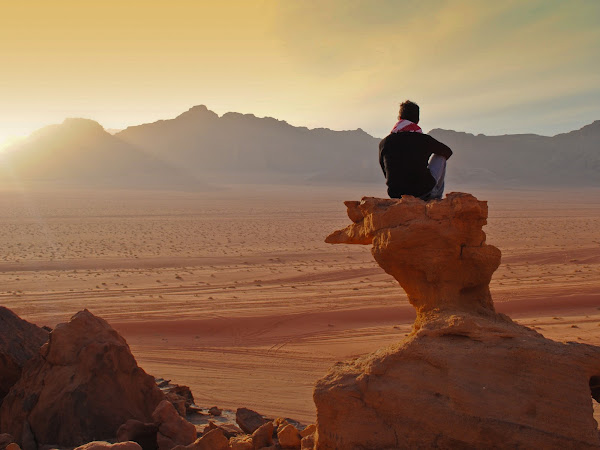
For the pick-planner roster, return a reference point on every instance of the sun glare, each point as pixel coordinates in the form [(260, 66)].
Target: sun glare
[(7, 141)]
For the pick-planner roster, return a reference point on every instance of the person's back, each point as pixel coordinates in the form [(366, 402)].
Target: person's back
[(404, 156)]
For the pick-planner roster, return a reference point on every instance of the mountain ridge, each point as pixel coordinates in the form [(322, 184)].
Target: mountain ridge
[(199, 146)]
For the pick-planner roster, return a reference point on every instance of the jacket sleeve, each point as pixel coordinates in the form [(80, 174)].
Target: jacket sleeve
[(439, 148), (381, 153)]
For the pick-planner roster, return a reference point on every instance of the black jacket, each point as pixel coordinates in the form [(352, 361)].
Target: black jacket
[(404, 157)]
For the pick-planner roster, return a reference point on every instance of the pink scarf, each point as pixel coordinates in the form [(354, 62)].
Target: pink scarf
[(406, 125)]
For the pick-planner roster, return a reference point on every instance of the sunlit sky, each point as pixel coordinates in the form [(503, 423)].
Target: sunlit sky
[(490, 67)]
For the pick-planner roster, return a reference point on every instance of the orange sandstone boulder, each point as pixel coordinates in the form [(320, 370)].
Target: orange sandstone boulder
[(82, 386), (263, 435), (213, 440), (289, 437), (466, 377)]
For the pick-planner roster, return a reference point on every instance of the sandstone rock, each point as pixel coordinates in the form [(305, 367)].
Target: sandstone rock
[(166, 443), (263, 436), (173, 429), (289, 437), (228, 429), (6, 439), (142, 433), (308, 442), (178, 402), (241, 443), (308, 430), (436, 250), (248, 420), (180, 396), (83, 385), (103, 445), (214, 411), (19, 342), (28, 441), (279, 423), (466, 377), (213, 440)]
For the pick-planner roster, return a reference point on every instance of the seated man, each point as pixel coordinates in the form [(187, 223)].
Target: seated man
[(405, 154)]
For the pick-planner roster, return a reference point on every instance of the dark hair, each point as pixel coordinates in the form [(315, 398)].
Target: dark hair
[(409, 111)]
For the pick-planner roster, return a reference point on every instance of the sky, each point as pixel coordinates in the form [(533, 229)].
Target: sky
[(492, 67)]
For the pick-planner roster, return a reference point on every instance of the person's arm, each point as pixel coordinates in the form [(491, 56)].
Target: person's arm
[(381, 162), (439, 148)]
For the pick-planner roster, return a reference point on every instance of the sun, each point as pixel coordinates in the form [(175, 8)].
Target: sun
[(7, 141)]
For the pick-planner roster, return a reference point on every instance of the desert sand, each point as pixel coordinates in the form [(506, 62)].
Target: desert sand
[(234, 292)]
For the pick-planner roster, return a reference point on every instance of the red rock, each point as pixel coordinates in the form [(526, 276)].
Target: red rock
[(82, 386), (310, 429), (308, 442), (263, 435), (173, 429), (178, 402), (466, 377), (241, 443), (19, 342), (214, 411), (213, 440), (142, 433), (249, 420), (180, 396), (103, 445), (289, 437), (228, 429), (6, 439)]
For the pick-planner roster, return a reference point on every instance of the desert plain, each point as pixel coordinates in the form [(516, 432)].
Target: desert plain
[(233, 292)]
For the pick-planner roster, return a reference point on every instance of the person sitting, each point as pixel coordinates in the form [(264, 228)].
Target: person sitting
[(413, 163)]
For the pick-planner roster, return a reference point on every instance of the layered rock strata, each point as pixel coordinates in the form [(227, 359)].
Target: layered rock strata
[(466, 377), (81, 387)]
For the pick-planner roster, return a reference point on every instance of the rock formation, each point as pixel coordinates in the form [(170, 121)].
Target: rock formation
[(19, 342), (466, 377), (81, 387), (173, 430), (249, 421)]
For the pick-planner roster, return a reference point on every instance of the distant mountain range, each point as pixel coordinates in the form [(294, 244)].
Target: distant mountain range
[(199, 147)]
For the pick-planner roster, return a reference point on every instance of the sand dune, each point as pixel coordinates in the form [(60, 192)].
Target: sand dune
[(235, 293)]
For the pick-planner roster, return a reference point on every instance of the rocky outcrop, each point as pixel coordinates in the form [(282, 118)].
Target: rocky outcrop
[(466, 377), (436, 250), (19, 342), (81, 387)]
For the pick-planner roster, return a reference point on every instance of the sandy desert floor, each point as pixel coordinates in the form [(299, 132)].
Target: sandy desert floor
[(234, 292)]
